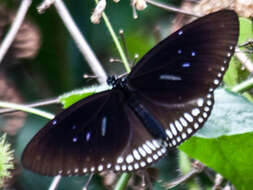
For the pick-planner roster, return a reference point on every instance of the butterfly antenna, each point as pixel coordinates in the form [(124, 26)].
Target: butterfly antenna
[(89, 77), (85, 187), (115, 60), (136, 56), (121, 32)]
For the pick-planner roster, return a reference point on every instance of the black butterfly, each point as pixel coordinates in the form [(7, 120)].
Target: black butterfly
[(165, 99)]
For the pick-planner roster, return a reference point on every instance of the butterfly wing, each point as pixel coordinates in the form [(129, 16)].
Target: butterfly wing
[(95, 134), (176, 79)]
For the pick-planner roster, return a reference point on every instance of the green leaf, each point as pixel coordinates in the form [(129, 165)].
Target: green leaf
[(232, 114), (225, 142), (70, 98)]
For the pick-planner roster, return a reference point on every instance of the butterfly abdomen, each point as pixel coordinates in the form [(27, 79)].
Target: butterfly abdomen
[(153, 126)]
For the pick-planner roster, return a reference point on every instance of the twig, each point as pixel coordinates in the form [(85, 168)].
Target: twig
[(36, 104), (217, 182), (244, 59), (170, 8), (80, 41), (197, 168), (122, 182), (27, 109), (85, 187), (116, 41), (24, 6), (244, 86), (45, 5), (54, 183)]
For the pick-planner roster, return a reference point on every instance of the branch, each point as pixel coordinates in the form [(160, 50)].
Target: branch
[(55, 182), (244, 59), (32, 105), (170, 8), (27, 109), (25, 4), (81, 42)]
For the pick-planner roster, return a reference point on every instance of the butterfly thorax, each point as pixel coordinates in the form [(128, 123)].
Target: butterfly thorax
[(150, 122)]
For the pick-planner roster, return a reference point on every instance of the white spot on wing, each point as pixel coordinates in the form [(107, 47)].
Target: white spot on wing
[(103, 126), (149, 159), (216, 81), (117, 167), (129, 158), (136, 154), (174, 131), (178, 126), (200, 119), (206, 109), (196, 125), (85, 170), (156, 143), (195, 111), (200, 102), (189, 130), (155, 156), (130, 168), (184, 135), (136, 166), (150, 145), (123, 167), (100, 168), (109, 166), (182, 120), (143, 164), (142, 152), (209, 102), (170, 77), (169, 133), (119, 160), (146, 148), (188, 117)]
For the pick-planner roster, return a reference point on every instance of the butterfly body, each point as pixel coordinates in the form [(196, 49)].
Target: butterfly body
[(151, 124), (163, 101)]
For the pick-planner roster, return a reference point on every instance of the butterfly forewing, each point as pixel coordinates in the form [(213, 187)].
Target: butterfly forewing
[(176, 79)]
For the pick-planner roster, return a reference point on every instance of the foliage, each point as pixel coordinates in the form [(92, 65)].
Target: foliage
[(6, 158)]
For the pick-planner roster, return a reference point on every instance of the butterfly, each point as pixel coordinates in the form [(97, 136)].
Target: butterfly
[(163, 101)]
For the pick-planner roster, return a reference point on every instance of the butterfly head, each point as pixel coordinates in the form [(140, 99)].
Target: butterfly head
[(116, 82)]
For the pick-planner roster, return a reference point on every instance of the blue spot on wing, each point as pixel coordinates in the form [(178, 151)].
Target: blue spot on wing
[(186, 64)]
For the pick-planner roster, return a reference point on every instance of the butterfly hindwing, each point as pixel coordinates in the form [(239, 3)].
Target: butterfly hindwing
[(95, 134), (175, 80)]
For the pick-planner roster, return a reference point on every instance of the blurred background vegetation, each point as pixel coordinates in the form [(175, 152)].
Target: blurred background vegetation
[(58, 68)]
